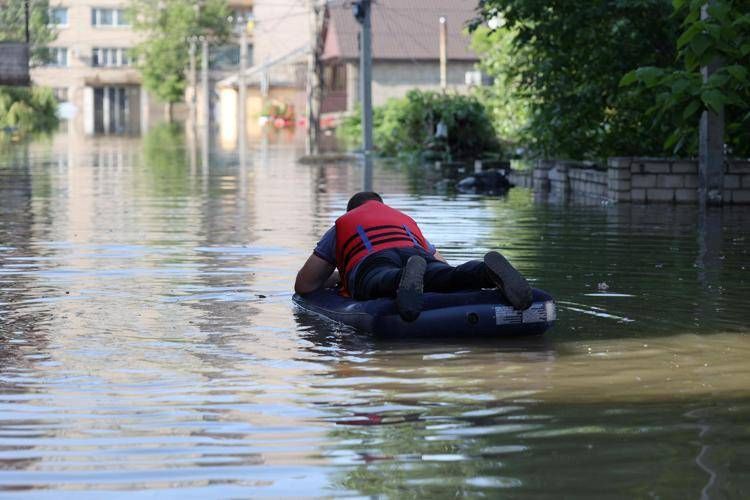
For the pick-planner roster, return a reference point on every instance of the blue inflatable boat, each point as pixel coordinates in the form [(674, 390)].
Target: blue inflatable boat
[(482, 313)]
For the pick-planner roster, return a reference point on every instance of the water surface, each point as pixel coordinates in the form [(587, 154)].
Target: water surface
[(148, 343)]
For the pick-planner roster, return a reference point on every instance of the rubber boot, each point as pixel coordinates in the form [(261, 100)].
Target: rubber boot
[(411, 288), (513, 285)]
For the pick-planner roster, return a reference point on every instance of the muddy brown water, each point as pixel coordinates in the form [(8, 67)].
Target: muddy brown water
[(149, 346)]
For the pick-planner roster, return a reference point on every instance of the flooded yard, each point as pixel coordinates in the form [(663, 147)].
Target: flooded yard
[(149, 346)]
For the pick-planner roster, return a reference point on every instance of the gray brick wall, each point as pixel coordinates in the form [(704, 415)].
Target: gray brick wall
[(639, 180)]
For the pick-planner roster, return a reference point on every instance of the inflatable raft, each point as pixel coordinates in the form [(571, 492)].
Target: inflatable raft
[(483, 313)]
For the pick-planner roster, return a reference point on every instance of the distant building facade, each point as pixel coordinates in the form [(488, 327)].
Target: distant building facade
[(405, 51), (90, 67), (275, 81)]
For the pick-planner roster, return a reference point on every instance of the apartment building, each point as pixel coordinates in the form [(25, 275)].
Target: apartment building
[(90, 68), (91, 71)]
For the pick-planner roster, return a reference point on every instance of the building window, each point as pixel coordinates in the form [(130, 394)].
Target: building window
[(243, 13), (109, 17), (121, 18), (109, 57), (477, 78), (227, 57), (60, 93), (58, 16), (334, 78), (57, 56)]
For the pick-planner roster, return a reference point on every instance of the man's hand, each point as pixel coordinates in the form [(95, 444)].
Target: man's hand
[(314, 275), (439, 257)]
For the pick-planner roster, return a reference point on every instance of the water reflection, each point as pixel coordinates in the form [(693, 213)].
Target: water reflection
[(630, 448), (148, 341), (422, 420), (23, 340)]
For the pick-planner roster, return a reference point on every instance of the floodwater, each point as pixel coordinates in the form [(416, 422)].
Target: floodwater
[(149, 346)]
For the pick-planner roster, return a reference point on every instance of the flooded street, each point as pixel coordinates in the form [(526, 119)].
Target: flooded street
[(149, 346)]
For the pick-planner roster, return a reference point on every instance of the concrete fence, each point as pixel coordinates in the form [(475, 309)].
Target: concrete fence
[(637, 180)]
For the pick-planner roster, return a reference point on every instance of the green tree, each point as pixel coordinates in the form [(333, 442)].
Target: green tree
[(681, 95), (507, 107), (567, 58), (13, 26), (163, 55)]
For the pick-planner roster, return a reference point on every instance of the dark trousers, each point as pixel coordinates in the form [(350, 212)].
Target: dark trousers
[(379, 274)]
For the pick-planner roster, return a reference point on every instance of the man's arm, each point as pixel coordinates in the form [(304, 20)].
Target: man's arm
[(434, 251), (333, 280), (439, 257), (314, 275)]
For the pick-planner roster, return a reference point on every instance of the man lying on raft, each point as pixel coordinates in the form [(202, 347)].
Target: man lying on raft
[(380, 252)]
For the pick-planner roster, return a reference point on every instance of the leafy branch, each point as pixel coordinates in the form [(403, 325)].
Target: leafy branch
[(720, 40)]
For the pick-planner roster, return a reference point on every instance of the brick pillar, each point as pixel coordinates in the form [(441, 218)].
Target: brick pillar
[(618, 179), (540, 180), (558, 178)]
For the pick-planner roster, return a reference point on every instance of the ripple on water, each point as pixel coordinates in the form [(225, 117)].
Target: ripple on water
[(148, 345)]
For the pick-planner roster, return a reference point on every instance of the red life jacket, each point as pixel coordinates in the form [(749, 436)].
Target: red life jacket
[(370, 228)]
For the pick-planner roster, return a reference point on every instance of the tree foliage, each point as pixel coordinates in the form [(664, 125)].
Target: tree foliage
[(28, 109), (566, 60), (163, 56), (13, 26), (408, 126), (508, 109), (681, 94)]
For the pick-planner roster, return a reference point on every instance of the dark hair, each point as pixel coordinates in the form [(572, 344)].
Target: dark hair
[(361, 197)]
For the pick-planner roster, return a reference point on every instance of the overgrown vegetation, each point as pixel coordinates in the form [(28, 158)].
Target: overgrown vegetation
[(564, 60), (163, 56), (27, 110), (409, 126), (681, 95)]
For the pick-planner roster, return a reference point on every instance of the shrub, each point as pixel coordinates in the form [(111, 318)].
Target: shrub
[(28, 110), (409, 125)]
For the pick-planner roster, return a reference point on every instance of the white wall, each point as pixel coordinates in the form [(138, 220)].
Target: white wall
[(280, 27)]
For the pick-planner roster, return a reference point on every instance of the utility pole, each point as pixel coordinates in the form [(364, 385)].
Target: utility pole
[(242, 110), (193, 83), (443, 53), (26, 13), (241, 88), (711, 152), (362, 11), (206, 98), (317, 14)]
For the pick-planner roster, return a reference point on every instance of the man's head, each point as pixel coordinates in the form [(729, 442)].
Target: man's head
[(362, 197)]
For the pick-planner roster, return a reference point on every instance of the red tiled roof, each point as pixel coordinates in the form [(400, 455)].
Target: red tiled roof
[(402, 29)]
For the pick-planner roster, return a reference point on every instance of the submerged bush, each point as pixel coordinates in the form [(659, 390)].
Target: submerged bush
[(410, 126), (28, 110)]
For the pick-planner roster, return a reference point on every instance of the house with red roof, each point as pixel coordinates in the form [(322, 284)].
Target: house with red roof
[(405, 50)]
